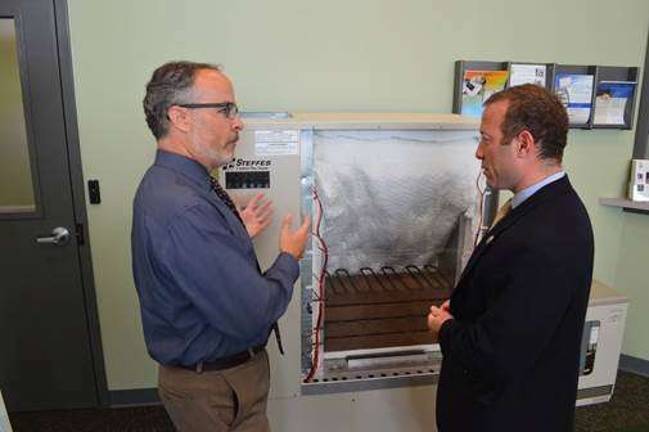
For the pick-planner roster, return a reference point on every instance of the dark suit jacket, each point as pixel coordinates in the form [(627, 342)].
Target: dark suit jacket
[(511, 354)]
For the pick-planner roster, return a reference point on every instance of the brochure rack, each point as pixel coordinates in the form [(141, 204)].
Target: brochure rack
[(596, 97)]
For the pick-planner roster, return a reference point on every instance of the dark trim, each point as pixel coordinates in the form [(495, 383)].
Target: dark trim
[(641, 147), (633, 210), (592, 392), (634, 364), (78, 196), (148, 396)]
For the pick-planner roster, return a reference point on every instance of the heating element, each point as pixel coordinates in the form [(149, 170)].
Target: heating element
[(380, 309)]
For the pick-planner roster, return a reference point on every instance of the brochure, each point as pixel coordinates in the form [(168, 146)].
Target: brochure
[(611, 100), (575, 92), (527, 74), (477, 87)]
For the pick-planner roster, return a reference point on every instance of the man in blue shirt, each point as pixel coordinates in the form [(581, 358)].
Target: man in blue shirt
[(207, 309), (511, 333)]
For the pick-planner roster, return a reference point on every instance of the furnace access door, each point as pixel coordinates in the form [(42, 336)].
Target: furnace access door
[(396, 206)]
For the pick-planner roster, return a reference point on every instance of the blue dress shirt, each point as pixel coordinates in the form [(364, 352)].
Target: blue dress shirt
[(521, 196), (202, 296)]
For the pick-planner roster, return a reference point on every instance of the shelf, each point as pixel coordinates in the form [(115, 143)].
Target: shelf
[(626, 204)]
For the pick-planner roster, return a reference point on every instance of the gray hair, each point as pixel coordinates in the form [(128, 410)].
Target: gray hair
[(170, 84)]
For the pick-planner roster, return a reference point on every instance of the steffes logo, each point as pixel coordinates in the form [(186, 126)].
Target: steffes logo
[(248, 165)]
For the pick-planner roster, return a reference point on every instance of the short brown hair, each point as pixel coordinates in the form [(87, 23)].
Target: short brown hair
[(537, 110), (170, 85)]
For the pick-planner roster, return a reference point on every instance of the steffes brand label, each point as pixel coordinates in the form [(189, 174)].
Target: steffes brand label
[(248, 165)]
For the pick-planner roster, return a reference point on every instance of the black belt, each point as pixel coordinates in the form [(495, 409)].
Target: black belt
[(226, 362)]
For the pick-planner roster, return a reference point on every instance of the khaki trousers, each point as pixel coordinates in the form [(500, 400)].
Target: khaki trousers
[(226, 400)]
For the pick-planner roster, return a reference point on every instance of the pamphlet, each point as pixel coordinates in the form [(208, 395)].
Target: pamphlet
[(575, 92), (611, 101), (477, 87), (527, 74), (639, 184)]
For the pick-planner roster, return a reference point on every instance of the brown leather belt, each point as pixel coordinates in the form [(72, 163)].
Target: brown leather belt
[(226, 362)]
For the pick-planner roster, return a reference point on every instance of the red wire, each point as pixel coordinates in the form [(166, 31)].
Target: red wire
[(321, 279), (323, 248), (481, 192)]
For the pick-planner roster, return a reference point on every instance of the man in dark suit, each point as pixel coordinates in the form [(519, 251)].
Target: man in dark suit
[(510, 334)]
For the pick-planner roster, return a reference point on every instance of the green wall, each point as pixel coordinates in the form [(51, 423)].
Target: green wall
[(363, 55)]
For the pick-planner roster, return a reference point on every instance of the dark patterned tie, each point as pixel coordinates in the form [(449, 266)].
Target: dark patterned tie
[(223, 196)]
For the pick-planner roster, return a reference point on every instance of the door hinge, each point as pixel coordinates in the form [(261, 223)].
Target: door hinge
[(81, 240)]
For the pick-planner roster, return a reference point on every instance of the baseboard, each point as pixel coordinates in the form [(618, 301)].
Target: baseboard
[(120, 398), (634, 364)]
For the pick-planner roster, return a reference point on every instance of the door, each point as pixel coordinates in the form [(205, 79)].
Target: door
[(46, 360)]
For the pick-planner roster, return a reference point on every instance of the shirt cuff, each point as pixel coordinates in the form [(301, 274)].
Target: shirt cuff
[(288, 262)]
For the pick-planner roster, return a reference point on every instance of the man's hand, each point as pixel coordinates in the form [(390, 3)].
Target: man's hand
[(293, 242), (257, 214), (437, 317)]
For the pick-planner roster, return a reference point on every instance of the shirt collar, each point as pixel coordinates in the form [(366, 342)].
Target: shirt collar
[(184, 165), (521, 196)]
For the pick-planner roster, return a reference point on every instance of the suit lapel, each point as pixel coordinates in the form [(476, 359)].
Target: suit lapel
[(547, 192)]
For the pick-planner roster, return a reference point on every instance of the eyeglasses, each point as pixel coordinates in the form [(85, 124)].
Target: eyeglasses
[(229, 109)]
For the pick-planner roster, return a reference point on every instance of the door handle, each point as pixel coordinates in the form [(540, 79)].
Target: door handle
[(60, 236)]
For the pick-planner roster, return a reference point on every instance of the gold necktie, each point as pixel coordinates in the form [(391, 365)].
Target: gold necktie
[(502, 212)]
